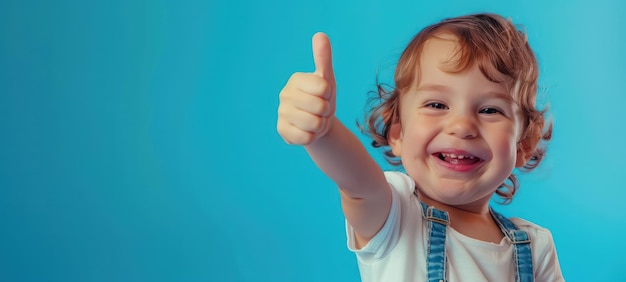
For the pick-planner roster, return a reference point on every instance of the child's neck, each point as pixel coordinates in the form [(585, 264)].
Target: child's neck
[(474, 221)]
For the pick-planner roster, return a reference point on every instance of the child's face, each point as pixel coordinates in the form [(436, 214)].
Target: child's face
[(458, 132)]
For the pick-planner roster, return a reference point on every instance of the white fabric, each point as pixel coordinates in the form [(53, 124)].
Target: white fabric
[(398, 251)]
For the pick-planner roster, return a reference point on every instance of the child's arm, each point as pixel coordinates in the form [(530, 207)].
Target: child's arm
[(306, 117)]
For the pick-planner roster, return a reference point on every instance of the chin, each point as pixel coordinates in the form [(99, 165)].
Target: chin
[(460, 196)]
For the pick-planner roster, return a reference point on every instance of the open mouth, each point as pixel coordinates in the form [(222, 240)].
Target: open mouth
[(458, 159)]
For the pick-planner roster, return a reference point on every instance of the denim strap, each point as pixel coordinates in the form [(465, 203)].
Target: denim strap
[(521, 247), (436, 260)]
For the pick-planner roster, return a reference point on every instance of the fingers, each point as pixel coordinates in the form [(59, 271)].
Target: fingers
[(307, 122), (307, 102), (297, 105), (300, 127), (311, 104), (309, 84), (293, 135), (303, 117), (323, 57)]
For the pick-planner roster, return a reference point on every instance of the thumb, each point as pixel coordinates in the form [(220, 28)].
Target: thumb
[(323, 57)]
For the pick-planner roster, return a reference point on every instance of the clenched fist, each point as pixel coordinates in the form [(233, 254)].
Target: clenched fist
[(307, 102)]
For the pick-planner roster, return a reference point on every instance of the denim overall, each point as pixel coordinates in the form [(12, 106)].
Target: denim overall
[(436, 250)]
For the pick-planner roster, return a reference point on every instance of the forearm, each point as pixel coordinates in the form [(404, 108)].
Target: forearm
[(342, 157)]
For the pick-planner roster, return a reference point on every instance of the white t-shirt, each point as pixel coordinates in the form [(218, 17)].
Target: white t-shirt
[(398, 251)]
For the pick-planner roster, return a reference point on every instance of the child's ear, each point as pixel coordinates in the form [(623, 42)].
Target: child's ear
[(394, 138), (527, 146), (525, 150)]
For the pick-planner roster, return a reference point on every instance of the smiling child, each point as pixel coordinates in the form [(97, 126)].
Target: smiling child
[(461, 118)]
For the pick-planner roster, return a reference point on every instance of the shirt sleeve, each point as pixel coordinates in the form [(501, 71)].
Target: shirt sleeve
[(387, 237), (545, 259), (548, 267)]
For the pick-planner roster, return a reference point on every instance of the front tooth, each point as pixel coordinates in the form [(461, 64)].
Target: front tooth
[(461, 157), (453, 156)]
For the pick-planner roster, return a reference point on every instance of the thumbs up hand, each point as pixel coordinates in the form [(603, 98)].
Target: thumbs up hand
[(307, 102)]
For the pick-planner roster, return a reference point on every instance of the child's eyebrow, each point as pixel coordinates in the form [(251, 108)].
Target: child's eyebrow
[(500, 95), (440, 88), (433, 87)]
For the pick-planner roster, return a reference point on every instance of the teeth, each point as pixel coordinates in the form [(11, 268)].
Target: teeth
[(455, 156)]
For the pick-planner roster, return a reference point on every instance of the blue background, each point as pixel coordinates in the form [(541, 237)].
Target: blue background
[(138, 140)]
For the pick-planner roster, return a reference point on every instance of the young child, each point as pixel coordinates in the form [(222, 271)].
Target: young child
[(462, 116)]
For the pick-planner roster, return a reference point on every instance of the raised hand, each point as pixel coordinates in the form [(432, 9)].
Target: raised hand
[(307, 102)]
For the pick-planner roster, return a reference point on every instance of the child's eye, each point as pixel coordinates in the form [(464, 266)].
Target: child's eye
[(438, 106), (490, 111)]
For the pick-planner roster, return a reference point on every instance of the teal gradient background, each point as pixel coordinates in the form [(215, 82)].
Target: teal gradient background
[(138, 140)]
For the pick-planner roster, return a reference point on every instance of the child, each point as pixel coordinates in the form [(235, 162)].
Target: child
[(462, 116)]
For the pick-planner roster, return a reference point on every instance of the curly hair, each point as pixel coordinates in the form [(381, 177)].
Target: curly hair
[(498, 48)]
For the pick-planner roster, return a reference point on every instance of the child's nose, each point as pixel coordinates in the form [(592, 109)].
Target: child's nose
[(462, 126)]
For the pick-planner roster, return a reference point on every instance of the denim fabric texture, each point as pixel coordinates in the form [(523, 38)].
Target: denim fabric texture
[(436, 260), (521, 247), (436, 252)]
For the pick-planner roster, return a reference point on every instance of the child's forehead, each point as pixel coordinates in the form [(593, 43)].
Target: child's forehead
[(440, 49), (445, 52), (441, 60)]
